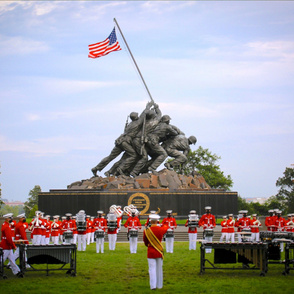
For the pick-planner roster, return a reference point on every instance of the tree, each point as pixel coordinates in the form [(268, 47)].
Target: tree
[(31, 205), (286, 192), (205, 162)]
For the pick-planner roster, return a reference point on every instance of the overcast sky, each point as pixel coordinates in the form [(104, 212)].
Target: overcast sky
[(223, 71)]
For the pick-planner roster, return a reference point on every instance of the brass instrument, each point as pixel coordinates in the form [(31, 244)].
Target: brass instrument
[(116, 210)]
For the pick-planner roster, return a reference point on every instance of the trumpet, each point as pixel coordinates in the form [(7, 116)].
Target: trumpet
[(257, 223), (131, 209), (116, 210)]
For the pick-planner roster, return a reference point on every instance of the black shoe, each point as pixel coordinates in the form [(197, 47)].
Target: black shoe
[(19, 275)]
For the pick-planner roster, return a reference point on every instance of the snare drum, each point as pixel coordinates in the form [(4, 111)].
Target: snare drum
[(99, 234), (133, 233), (246, 236), (68, 235), (169, 233), (208, 233), (81, 226)]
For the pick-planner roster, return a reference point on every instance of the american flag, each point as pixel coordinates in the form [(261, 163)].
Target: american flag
[(103, 48)]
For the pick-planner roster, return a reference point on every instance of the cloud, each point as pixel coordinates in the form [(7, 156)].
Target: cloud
[(21, 46)]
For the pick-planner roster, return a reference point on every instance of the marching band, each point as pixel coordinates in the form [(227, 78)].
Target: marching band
[(82, 230)]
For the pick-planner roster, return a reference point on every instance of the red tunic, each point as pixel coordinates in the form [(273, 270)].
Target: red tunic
[(20, 233), (133, 223), (280, 223), (289, 227), (55, 229), (68, 225), (207, 221), (6, 237), (254, 227), (230, 225), (158, 232), (100, 223), (170, 222)]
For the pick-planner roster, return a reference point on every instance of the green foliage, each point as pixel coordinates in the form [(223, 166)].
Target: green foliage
[(205, 163), (16, 210), (121, 272), (286, 191), (31, 205)]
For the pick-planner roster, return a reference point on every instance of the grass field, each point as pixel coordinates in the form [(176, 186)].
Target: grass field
[(121, 272)]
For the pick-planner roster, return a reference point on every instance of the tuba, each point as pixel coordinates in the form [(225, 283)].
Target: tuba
[(116, 210), (131, 209)]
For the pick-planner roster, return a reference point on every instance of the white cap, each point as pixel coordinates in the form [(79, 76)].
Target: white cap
[(230, 214), (21, 215), (193, 211), (154, 217), (245, 211), (254, 214), (152, 211), (47, 216), (207, 207), (289, 214), (169, 211), (100, 212), (8, 215), (68, 214), (271, 210), (56, 216), (63, 217), (37, 212)]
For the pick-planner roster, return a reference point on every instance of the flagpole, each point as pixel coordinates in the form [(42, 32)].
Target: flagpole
[(134, 60)]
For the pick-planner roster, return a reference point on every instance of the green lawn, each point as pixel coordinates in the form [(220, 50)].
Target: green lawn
[(121, 272)]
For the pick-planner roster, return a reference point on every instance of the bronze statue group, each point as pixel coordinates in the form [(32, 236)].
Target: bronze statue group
[(146, 143)]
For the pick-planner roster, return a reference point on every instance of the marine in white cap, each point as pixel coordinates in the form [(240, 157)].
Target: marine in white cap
[(192, 223), (100, 225), (152, 238), (171, 223), (35, 228), (231, 229), (255, 224), (207, 221), (224, 229), (8, 245)]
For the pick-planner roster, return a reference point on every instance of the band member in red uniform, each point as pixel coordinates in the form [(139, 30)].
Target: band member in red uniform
[(255, 224), (20, 233), (280, 223), (8, 245), (171, 223), (152, 238), (55, 230), (75, 231), (207, 221), (269, 221), (68, 225), (289, 225), (82, 226), (133, 224), (89, 229), (112, 230), (92, 230), (48, 229), (243, 224), (43, 228), (231, 229), (100, 225), (35, 228), (192, 223), (224, 229)]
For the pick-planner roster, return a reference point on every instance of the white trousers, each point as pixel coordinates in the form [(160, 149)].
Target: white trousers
[(169, 242), (155, 272), (223, 236), (255, 237), (37, 239), (75, 238), (88, 238), (192, 241), (55, 240), (99, 245), (82, 242), (230, 237), (133, 244), (47, 241), (112, 240), (8, 254)]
